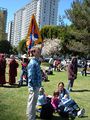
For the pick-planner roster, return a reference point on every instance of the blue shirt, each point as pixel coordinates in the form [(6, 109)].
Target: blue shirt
[(34, 74), (62, 93), (41, 99)]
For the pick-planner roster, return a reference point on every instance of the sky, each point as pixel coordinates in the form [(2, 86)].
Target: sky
[(14, 5)]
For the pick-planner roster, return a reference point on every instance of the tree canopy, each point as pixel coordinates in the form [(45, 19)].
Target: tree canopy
[(5, 47)]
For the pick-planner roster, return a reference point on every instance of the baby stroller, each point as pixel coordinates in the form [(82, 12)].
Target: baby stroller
[(70, 108)]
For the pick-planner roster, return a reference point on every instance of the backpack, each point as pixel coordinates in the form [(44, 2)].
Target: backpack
[(47, 111)]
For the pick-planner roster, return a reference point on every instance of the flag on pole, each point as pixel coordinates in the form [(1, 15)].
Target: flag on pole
[(33, 36)]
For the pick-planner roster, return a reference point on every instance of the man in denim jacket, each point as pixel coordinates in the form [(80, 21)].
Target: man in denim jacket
[(34, 82)]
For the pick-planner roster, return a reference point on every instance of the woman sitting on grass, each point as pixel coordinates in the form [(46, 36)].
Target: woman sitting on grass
[(68, 107)]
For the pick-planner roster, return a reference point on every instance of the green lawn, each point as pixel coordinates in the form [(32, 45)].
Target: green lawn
[(13, 100)]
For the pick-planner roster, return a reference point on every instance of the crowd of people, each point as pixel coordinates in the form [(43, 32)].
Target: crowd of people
[(60, 101)]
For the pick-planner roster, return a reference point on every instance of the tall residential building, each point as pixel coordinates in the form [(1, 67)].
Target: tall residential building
[(3, 22), (22, 21), (11, 32), (45, 12), (17, 26), (28, 10)]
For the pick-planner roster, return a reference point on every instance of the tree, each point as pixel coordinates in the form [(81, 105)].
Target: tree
[(14, 50), (51, 47), (79, 14), (5, 47), (22, 46), (50, 32)]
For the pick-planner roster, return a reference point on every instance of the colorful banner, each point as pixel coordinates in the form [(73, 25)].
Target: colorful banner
[(33, 36)]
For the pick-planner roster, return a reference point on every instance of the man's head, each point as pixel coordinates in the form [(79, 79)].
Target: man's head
[(36, 52)]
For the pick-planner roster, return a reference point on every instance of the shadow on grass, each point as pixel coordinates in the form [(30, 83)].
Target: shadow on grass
[(56, 118), (46, 80), (84, 90), (84, 117), (10, 86), (59, 118)]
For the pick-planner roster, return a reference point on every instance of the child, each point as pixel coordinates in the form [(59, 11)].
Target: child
[(42, 99), (44, 106), (55, 100), (24, 75)]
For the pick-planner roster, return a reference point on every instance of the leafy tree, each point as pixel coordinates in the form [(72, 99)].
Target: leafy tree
[(79, 35), (49, 31), (15, 50), (5, 47), (22, 46), (79, 14)]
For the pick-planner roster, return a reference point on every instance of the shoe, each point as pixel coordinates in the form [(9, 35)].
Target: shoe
[(81, 112), (70, 90)]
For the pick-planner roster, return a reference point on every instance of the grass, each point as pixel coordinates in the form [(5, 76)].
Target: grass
[(13, 100)]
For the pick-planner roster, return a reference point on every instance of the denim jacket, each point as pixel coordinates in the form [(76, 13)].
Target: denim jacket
[(34, 74)]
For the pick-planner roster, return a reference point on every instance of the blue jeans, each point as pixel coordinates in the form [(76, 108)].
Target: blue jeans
[(70, 84), (23, 72)]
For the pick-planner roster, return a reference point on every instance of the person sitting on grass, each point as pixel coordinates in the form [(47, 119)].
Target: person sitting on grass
[(42, 99), (44, 106), (55, 100), (68, 106)]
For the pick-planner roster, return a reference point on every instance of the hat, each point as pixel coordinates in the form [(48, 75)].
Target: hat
[(24, 56), (12, 57)]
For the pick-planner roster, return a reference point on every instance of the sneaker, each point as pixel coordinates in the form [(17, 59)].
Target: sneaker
[(71, 90), (81, 112)]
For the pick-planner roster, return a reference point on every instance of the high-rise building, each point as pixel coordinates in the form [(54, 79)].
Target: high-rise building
[(29, 9), (17, 26), (45, 12), (11, 32), (22, 21), (3, 22)]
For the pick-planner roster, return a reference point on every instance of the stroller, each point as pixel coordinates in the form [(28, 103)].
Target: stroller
[(68, 108)]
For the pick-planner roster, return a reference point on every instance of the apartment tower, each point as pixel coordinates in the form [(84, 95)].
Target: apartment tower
[(45, 12)]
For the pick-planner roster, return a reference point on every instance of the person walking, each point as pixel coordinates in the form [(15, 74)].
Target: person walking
[(24, 64), (13, 65), (75, 64), (34, 82), (2, 69), (72, 73), (84, 70)]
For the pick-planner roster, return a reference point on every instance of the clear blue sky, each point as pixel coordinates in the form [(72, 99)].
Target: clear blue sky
[(14, 5)]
